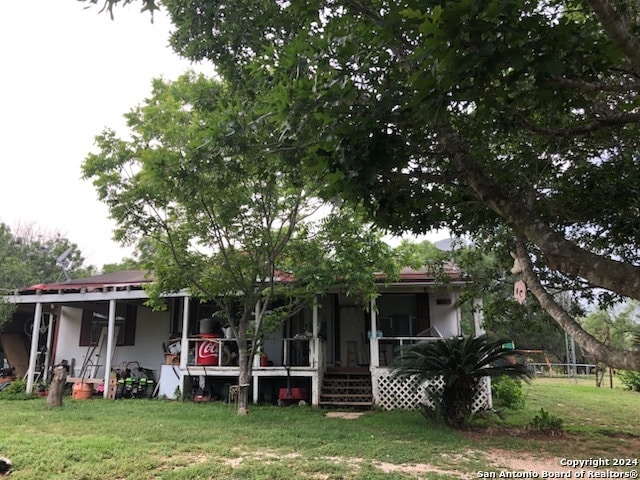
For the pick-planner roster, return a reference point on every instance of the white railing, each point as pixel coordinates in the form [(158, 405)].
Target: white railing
[(296, 352), (391, 347)]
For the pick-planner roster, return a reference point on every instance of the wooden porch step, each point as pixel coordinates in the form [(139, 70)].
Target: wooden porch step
[(356, 388), (342, 388), (348, 370), (345, 404), (343, 395), (361, 378), (332, 385)]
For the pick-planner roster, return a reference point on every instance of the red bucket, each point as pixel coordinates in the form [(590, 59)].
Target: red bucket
[(207, 352)]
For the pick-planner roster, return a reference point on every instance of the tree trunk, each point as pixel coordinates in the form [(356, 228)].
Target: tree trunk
[(56, 389), (245, 365)]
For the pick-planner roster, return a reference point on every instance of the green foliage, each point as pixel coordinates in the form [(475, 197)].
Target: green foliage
[(507, 393), (141, 259), (421, 254), (492, 118), (147, 5), (461, 363), (28, 257), (6, 312), (631, 380), (235, 224), (16, 390), (528, 325), (485, 117), (616, 327), (546, 423)]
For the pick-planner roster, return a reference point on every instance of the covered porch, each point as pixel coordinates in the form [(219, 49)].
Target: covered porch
[(333, 334)]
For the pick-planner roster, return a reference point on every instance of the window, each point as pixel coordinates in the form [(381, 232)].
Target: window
[(403, 315), (94, 322)]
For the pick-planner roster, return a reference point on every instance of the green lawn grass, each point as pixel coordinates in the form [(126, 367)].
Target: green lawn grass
[(149, 439)]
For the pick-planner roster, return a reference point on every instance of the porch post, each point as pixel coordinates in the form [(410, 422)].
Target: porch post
[(314, 337), (373, 337), (35, 338), (478, 317), (255, 359), (184, 341), (255, 389), (47, 356), (315, 357), (111, 329)]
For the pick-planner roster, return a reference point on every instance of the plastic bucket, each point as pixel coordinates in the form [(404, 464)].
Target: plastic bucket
[(206, 326), (207, 352), (82, 391)]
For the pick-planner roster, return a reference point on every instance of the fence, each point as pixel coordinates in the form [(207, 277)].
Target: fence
[(561, 369)]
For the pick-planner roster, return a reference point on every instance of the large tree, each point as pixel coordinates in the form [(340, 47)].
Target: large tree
[(509, 119), (29, 256), (227, 220)]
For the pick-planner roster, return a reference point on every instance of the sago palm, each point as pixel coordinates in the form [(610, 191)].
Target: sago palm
[(461, 363)]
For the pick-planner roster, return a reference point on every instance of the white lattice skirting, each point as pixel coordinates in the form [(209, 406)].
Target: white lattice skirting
[(391, 393)]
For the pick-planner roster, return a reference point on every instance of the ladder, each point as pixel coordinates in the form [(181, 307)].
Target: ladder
[(94, 352)]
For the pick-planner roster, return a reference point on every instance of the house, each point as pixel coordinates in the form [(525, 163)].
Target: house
[(335, 352)]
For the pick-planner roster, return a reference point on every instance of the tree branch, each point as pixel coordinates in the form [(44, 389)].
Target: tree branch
[(598, 87), (606, 121), (614, 357), (560, 254), (618, 30)]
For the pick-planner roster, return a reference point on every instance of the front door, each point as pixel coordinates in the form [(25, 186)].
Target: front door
[(352, 339)]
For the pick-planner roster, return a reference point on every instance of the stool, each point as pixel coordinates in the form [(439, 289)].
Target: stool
[(234, 393), (352, 354)]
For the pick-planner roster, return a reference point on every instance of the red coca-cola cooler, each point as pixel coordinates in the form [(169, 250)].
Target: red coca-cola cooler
[(208, 351)]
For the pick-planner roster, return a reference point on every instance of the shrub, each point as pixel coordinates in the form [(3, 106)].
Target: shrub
[(16, 390), (507, 393), (461, 363), (630, 379), (546, 423)]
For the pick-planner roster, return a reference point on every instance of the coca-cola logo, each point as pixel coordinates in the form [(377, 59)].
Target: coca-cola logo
[(208, 349)]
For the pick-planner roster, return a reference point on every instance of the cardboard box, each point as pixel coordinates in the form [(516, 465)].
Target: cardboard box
[(172, 358)]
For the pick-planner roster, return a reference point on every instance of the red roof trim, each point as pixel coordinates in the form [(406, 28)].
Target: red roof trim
[(136, 279)]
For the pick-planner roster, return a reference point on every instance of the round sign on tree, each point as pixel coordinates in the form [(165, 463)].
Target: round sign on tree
[(520, 291)]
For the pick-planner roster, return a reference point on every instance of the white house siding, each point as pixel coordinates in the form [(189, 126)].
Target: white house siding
[(152, 329)]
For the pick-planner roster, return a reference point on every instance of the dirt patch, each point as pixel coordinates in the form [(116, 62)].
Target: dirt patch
[(496, 460), (522, 462), (581, 448), (417, 469)]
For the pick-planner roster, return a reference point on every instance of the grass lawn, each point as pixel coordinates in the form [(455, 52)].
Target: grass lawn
[(155, 439)]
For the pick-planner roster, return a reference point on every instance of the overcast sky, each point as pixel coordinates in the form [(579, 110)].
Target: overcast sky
[(66, 73)]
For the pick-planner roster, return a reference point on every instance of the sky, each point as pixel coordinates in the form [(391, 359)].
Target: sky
[(68, 72)]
